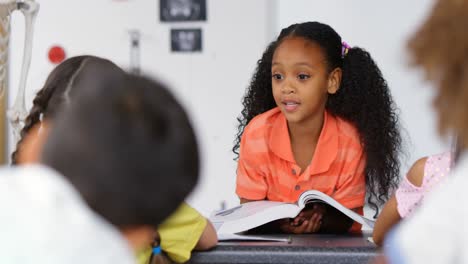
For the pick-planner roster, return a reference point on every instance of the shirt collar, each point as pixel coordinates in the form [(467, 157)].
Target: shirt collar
[(327, 145)]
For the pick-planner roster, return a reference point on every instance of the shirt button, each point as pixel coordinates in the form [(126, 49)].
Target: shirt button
[(293, 171), (297, 187)]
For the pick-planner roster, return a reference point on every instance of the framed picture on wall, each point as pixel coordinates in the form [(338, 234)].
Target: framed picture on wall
[(182, 10), (186, 40)]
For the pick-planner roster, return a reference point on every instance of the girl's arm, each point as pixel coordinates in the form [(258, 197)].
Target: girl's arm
[(208, 239), (387, 219), (389, 215)]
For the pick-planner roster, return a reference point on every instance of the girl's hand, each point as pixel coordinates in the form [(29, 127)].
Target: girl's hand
[(308, 221), (308, 213)]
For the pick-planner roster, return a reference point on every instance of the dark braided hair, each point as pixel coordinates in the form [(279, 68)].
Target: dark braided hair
[(52, 96), (363, 99)]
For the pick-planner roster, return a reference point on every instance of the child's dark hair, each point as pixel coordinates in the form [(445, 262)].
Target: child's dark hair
[(363, 99), (126, 145), (55, 93), (440, 48)]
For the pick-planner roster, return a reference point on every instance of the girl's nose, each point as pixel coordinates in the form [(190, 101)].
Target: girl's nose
[(288, 88)]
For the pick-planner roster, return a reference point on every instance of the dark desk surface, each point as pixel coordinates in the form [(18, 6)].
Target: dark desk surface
[(302, 249)]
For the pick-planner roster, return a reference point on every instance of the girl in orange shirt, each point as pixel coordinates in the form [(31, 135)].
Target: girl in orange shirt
[(311, 79)]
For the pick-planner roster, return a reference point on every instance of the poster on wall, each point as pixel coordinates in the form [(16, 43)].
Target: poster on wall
[(182, 10), (186, 40)]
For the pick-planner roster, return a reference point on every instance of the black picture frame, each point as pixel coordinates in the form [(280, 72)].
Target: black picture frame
[(186, 40), (182, 10)]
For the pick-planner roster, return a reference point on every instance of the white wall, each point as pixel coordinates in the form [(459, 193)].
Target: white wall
[(381, 27), (210, 84)]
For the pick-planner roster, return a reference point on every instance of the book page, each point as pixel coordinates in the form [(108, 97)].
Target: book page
[(249, 215), (317, 196), (244, 210)]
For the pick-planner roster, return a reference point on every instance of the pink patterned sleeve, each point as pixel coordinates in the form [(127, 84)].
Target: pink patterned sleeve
[(409, 196)]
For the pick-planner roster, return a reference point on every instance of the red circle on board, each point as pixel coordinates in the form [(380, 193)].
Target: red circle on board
[(56, 54)]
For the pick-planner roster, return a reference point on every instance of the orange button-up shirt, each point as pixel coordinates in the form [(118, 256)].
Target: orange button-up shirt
[(267, 168)]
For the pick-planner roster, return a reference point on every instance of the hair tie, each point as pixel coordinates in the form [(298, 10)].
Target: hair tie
[(156, 250), (344, 49)]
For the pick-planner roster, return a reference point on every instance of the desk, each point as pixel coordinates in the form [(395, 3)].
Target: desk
[(302, 249)]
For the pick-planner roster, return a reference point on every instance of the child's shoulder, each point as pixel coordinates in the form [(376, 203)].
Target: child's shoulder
[(183, 215), (439, 165), (415, 174), (443, 159), (433, 166)]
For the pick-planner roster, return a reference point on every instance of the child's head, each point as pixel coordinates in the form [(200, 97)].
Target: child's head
[(301, 79), (126, 145), (56, 92), (440, 47), (309, 60)]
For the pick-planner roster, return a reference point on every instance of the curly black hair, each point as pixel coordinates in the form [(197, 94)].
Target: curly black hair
[(363, 99)]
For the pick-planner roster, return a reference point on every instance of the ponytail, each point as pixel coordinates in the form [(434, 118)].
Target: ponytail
[(52, 96), (364, 99), (34, 117)]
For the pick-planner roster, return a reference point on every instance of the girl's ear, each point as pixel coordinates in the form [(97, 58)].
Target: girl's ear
[(334, 80)]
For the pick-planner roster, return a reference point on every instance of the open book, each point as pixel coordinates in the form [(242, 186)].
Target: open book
[(249, 215)]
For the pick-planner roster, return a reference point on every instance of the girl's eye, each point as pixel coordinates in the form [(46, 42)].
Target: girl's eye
[(277, 76), (303, 76)]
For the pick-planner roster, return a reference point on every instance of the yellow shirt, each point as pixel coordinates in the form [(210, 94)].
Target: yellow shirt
[(178, 234)]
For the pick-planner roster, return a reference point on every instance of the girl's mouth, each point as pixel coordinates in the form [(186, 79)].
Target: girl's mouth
[(290, 106)]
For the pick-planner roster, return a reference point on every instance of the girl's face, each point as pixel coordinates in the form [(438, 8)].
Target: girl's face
[(301, 80)]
